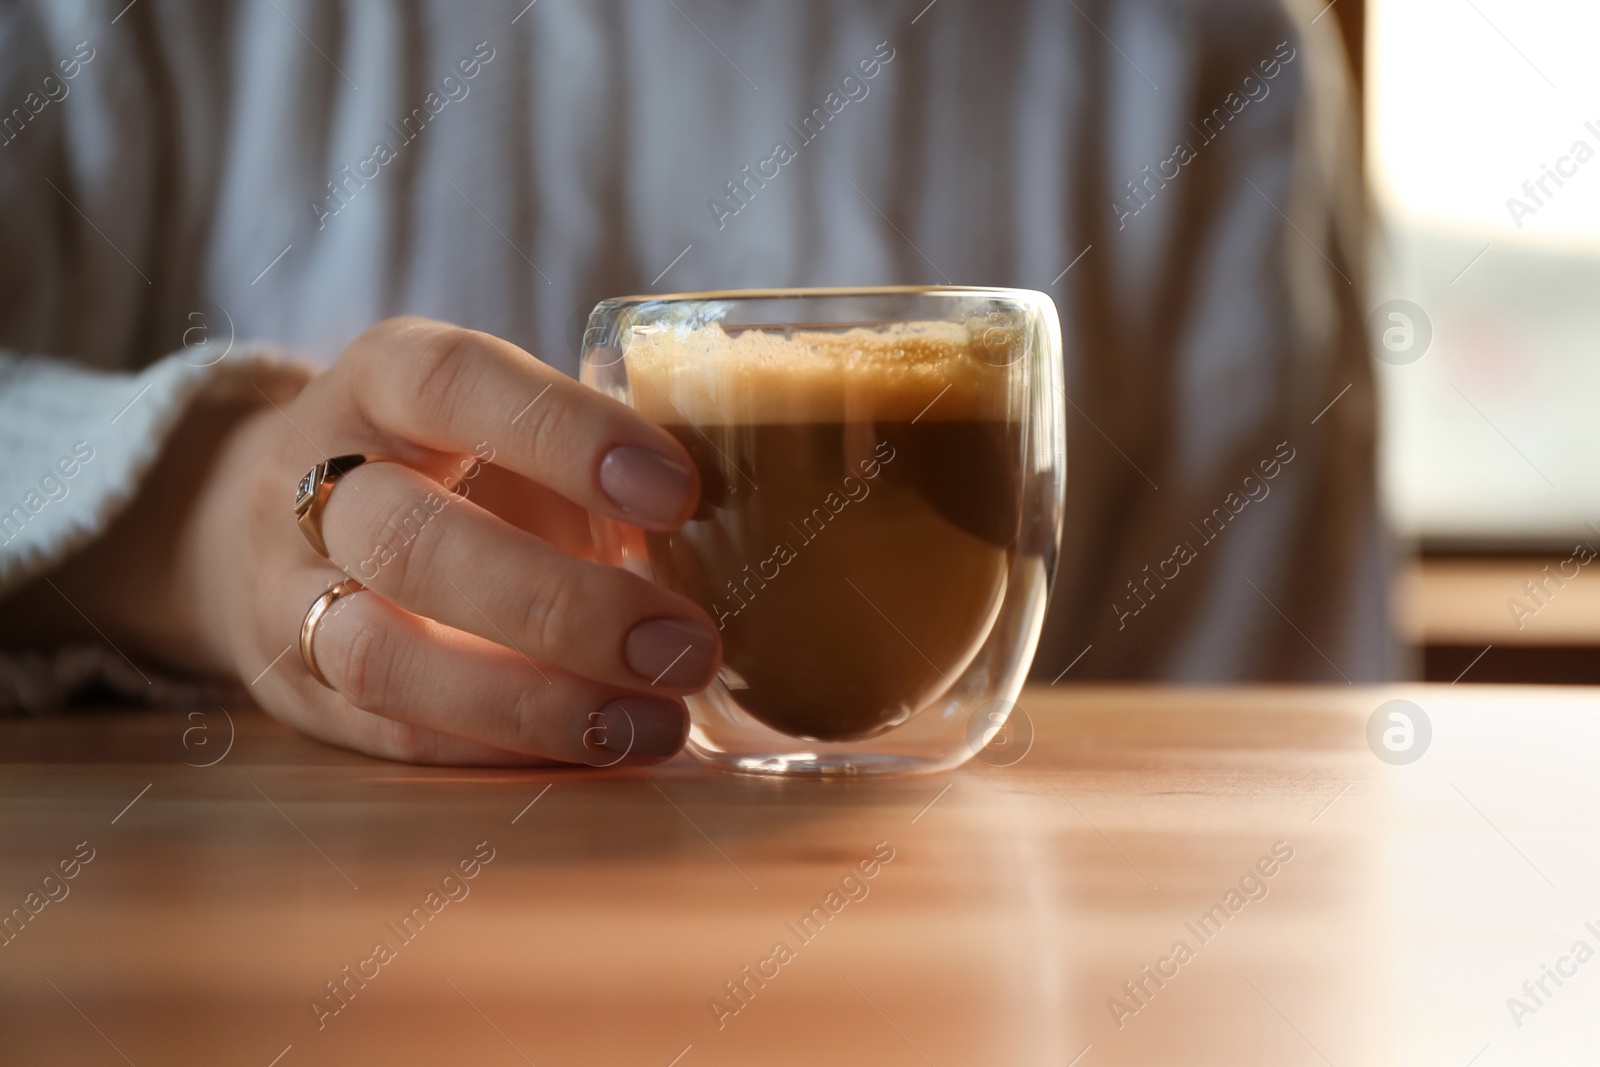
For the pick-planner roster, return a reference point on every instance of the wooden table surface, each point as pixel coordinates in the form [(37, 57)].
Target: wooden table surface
[(1406, 904)]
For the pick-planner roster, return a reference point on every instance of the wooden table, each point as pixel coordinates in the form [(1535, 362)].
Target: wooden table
[(221, 899)]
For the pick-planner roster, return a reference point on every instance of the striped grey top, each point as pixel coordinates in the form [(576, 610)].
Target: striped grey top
[(1180, 177)]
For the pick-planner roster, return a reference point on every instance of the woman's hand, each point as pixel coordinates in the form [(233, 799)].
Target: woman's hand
[(488, 633)]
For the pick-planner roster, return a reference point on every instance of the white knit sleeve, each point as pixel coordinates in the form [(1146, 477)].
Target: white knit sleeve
[(75, 444)]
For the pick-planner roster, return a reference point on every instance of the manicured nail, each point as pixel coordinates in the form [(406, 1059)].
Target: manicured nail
[(673, 652), (649, 488), (639, 727)]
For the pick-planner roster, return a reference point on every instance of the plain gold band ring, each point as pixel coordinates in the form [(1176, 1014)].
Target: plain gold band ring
[(308, 628)]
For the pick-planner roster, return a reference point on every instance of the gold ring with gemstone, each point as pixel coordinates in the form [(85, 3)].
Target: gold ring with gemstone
[(311, 496)]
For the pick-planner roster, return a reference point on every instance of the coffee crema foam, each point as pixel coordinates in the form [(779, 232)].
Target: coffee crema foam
[(705, 375)]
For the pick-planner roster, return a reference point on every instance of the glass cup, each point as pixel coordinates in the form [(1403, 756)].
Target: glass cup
[(882, 476)]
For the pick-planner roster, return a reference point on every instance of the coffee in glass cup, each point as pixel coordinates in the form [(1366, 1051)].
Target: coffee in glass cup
[(880, 506)]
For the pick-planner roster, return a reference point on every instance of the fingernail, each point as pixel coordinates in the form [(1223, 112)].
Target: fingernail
[(647, 486), (673, 652), (642, 727)]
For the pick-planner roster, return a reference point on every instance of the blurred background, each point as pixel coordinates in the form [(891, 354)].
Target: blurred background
[(1386, 258), (1482, 124)]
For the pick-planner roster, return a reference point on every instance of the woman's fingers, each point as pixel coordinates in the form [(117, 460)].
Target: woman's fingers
[(453, 390), (478, 640), (418, 672), (443, 557), (527, 505)]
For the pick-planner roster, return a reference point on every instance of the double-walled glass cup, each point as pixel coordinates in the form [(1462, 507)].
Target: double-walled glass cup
[(882, 475)]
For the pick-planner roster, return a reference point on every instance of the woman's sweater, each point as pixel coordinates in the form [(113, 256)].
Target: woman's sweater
[(189, 182)]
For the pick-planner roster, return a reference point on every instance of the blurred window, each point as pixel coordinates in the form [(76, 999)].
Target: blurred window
[(1483, 148)]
